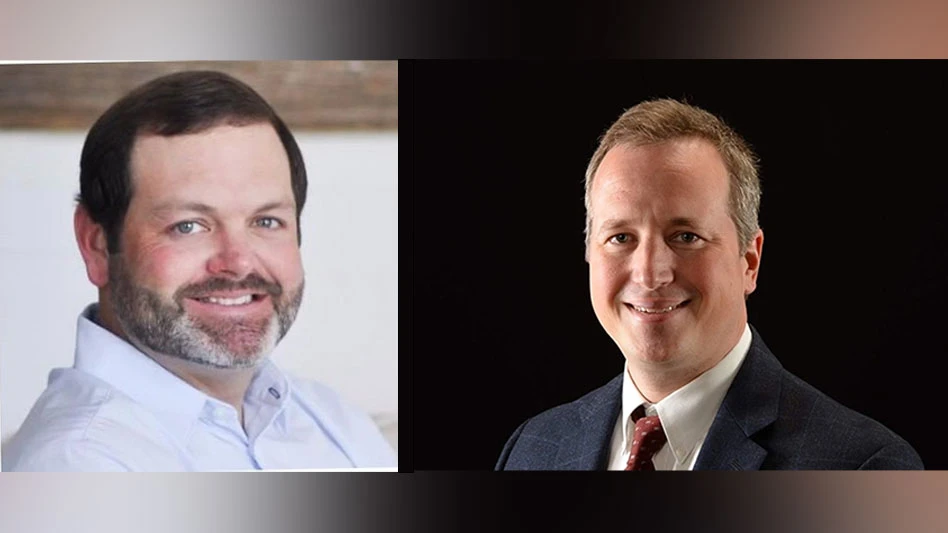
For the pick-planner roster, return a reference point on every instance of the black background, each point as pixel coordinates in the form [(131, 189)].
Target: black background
[(852, 284)]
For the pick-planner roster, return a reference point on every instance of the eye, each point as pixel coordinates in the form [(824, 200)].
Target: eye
[(187, 227), (620, 238), (268, 223), (687, 237)]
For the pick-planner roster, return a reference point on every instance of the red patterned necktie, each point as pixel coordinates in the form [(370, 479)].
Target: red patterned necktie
[(649, 437)]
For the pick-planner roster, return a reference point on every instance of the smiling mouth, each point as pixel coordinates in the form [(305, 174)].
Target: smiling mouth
[(657, 310), (241, 300)]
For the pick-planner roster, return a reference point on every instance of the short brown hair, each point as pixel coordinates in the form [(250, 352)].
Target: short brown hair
[(176, 104), (662, 120)]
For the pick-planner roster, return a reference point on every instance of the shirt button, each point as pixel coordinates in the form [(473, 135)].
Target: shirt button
[(273, 392)]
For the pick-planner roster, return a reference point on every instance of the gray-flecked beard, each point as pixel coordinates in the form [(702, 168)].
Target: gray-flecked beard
[(164, 327)]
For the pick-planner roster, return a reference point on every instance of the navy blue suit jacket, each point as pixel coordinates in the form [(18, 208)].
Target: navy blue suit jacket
[(769, 419)]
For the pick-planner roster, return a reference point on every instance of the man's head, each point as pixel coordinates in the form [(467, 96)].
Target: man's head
[(672, 239), (188, 219), (656, 121)]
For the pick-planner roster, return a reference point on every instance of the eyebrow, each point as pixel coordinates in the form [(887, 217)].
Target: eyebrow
[(276, 206), (203, 208), (684, 221), (613, 223)]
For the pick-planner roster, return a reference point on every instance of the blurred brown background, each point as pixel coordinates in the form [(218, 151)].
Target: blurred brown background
[(308, 95)]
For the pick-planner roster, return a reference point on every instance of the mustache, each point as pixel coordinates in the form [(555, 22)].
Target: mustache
[(252, 282)]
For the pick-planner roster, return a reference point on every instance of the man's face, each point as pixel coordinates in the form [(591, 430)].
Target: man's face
[(209, 269), (668, 277)]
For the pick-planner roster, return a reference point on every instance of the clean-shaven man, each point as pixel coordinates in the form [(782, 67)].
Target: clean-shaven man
[(674, 250)]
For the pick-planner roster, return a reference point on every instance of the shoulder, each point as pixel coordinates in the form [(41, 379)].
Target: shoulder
[(808, 429), (350, 426), (81, 424), (831, 435), (554, 422), (324, 401), (569, 436), (61, 453)]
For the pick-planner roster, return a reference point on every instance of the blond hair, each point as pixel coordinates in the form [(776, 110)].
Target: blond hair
[(662, 120)]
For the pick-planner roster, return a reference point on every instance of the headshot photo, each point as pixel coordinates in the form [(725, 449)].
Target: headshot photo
[(685, 265), (205, 256)]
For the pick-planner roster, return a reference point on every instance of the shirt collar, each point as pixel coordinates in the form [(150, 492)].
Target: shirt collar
[(687, 413), (173, 401)]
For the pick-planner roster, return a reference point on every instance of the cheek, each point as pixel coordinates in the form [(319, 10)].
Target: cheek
[(606, 279), (720, 281), (165, 268), (284, 264)]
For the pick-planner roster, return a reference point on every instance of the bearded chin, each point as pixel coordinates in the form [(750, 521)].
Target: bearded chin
[(163, 326)]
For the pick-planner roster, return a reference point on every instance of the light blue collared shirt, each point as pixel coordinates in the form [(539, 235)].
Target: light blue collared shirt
[(119, 410)]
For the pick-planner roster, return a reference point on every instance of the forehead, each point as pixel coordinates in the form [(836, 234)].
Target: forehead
[(669, 171), (222, 163)]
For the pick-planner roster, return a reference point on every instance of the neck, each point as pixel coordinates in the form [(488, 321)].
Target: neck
[(653, 390), (656, 381)]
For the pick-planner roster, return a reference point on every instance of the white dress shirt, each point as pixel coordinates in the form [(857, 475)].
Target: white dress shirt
[(686, 414), (117, 409)]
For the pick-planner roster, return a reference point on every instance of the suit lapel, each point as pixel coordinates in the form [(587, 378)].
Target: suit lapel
[(727, 447), (587, 446), (751, 404)]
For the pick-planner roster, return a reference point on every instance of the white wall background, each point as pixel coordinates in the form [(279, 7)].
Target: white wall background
[(345, 334)]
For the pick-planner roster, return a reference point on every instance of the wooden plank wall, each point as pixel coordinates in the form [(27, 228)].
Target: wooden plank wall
[(308, 95)]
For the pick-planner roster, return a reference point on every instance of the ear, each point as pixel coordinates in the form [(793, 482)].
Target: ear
[(93, 246), (752, 258)]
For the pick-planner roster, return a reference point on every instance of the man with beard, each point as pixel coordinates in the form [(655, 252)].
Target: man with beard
[(191, 189)]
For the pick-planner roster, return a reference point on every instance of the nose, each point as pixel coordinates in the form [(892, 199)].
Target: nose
[(652, 264), (233, 256)]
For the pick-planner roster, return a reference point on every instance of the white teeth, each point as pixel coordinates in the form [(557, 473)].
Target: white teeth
[(648, 311), (243, 300)]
